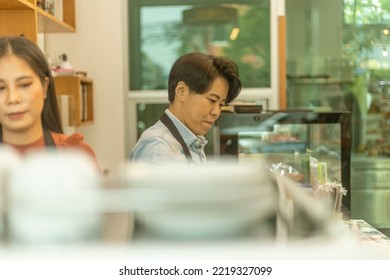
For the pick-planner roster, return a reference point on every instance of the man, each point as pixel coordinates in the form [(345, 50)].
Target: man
[(199, 85)]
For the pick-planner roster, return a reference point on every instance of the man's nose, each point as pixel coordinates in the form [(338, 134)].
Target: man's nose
[(216, 110)]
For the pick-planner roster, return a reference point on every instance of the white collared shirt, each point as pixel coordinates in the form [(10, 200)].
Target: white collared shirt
[(157, 144)]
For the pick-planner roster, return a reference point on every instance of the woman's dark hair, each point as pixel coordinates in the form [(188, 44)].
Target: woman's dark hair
[(32, 54), (199, 71)]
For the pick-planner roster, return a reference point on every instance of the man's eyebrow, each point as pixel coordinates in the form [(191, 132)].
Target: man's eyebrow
[(217, 96)]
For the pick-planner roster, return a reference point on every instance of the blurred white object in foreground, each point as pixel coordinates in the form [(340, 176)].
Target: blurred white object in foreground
[(224, 199), (9, 160), (51, 195), (183, 201)]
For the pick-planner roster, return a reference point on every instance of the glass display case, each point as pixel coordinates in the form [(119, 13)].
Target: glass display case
[(311, 146)]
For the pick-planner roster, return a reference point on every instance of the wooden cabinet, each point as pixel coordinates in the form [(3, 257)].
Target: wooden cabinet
[(79, 91), (24, 17)]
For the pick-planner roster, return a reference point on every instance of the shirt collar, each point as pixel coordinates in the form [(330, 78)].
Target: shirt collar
[(188, 136)]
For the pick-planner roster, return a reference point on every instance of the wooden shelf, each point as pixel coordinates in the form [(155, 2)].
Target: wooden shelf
[(24, 17), (16, 4), (47, 23), (80, 93)]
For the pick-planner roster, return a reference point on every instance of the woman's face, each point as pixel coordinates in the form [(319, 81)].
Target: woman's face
[(200, 111), (22, 96)]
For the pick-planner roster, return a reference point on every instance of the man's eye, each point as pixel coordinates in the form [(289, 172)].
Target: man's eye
[(212, 101)]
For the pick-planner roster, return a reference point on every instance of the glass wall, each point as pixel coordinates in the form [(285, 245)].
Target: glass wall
[(342, 64), (338, 60)]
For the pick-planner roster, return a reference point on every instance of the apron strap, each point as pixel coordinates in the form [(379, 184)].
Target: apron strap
[(49, 141), (173, 129)]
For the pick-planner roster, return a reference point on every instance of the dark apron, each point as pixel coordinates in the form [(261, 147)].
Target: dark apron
[(172, 128)]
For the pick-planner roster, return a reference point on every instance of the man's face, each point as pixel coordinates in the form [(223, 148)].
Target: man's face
[(200, 111)]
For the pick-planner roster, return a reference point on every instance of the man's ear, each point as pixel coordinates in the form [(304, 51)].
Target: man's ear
[(45, 86), (181, 90)]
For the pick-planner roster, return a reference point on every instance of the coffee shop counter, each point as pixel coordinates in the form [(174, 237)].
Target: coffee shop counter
[(369, 236)]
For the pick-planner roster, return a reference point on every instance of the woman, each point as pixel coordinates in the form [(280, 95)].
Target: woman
[(29, 114), (198, 86)]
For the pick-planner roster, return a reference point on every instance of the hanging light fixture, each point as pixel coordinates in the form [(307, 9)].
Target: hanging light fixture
[(213, 15), (210, 15)]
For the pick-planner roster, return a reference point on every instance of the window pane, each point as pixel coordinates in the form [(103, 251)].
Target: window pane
[(159, 34)]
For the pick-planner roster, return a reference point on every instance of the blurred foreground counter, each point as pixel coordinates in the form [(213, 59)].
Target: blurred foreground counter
[(352, 240), (369, 236), (222, 211)]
